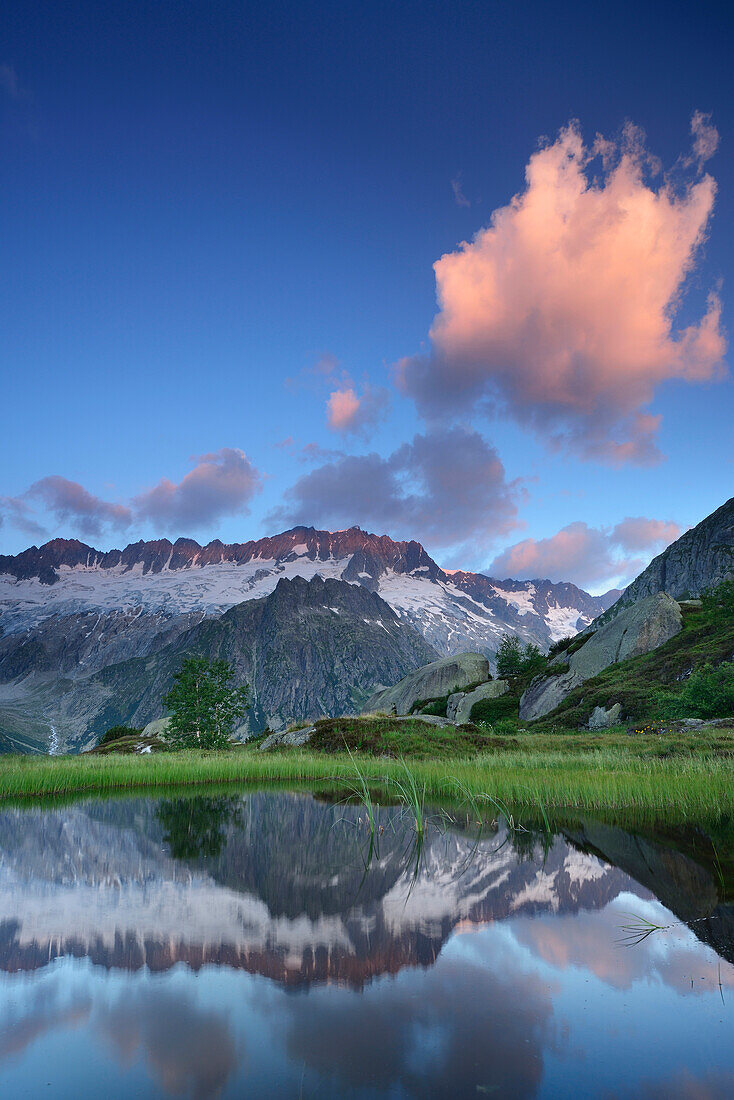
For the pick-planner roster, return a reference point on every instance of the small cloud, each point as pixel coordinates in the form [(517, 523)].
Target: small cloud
[(19, 514), (70, 502), (705, 137), (459, 197), (350, 413), (222, 483)]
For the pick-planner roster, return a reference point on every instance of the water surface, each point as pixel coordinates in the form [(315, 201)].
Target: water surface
[(253, 945)]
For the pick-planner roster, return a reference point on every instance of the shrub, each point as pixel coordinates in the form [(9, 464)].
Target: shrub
[(114, 733), (709, 692), (718, 603), (492, 710), (514, 659), (561, 645)]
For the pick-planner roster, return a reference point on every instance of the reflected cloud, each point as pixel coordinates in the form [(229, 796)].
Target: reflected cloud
[(594, 942), (458, 1029), (189, 1050)]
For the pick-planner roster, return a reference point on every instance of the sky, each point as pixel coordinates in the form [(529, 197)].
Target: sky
[(454, 272)]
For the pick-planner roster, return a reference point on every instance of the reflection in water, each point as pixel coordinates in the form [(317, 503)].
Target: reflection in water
[(151, 945)]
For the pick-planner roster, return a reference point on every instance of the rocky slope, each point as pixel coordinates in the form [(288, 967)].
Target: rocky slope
[(637, 629), (309, 648), (702, 557)]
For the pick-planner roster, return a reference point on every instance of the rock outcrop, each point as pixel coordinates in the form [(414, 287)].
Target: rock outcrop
[(602, 719), (637, 629), (461, 703), (432, 681)]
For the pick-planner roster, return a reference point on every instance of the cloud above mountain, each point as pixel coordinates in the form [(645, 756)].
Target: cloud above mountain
[(447, 487), (588, 556), (350, 412), (563, 311), (221, 483), (70, 502)]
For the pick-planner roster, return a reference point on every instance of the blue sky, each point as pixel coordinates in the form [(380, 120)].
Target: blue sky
[(217, 217)]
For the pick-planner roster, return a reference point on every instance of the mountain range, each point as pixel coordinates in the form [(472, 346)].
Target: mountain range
[(74, 620)]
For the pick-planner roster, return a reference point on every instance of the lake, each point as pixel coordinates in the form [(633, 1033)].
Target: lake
[(265, 944)]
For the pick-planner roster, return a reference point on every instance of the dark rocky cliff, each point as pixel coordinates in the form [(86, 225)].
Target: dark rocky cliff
[(701, 557)]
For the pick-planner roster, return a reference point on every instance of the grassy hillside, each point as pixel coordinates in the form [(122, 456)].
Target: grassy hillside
[(686, 677)]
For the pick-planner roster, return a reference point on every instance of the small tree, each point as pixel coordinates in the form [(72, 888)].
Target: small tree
[(509, 656), (205, 706), (516, 659)]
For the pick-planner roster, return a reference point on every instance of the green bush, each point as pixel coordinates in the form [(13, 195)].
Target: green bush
[(561, 645), (436, 707), (114, 733), (718, 603), (707, 693), (492, 710), (515, 659)]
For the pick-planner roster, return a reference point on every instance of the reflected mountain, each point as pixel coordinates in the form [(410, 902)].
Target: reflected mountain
[(279, 885)]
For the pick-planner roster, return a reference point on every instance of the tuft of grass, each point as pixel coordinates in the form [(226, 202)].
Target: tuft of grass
[(412, 793)]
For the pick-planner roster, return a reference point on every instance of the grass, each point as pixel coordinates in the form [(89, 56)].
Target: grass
[(532, 772)]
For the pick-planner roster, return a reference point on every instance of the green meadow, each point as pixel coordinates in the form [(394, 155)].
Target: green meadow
[(679, 777)]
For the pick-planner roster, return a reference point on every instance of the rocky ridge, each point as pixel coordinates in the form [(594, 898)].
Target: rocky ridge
[(700, 558)]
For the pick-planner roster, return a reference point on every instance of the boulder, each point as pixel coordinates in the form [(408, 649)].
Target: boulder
[(460, 704), (638, 629), (443, 677), (602, 719), (293, 739), (157, 728), (545, 693)]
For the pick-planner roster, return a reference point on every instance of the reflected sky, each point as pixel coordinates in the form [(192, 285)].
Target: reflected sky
[(269, 960)]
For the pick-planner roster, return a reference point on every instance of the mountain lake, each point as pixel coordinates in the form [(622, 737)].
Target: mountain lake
[(269, 943)]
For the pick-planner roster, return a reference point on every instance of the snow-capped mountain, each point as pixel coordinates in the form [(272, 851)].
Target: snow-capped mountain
[(152, 586), (72, 618)]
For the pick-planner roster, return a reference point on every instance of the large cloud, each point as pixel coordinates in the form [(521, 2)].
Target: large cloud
[(563, 309), (447, 487), (220, 484), (70, 502), (587, 555)]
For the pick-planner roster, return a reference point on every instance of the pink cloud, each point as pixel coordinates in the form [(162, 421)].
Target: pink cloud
[(705, 137), (563, 309), (342, 409), (639, 533), (587, 555), (351, 413)]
